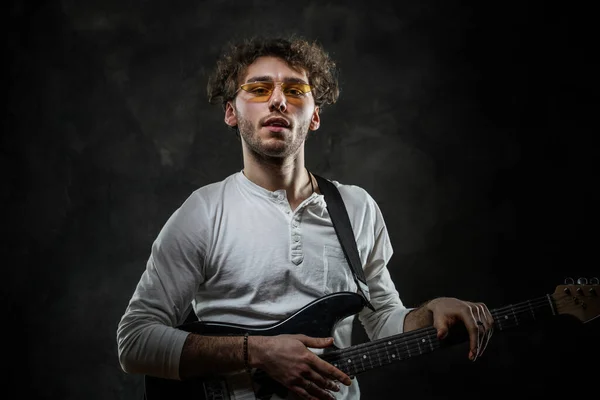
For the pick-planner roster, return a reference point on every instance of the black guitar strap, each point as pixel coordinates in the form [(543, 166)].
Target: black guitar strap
[(343, 229)]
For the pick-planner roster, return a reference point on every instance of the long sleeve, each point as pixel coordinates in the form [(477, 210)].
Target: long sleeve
[(148, 342), (388, 319)]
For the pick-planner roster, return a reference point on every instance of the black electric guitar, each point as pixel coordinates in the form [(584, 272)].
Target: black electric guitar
[(318, 319)]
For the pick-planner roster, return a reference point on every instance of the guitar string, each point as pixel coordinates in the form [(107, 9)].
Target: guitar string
[(520, 310), (524, 304), (382, 356), (413, 340), (530, 306), (418, 333), (414, 347)]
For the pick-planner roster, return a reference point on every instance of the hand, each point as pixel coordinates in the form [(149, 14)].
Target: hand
[(287, 359), (476, 317)]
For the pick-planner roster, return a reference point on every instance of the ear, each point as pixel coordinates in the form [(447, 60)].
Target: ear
[(315, 121), (230, 115)]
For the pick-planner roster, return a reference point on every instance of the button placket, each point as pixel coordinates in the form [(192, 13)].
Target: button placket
[(296, 239)]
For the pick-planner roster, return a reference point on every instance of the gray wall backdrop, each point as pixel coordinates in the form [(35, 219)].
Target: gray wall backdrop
[(470, 124)]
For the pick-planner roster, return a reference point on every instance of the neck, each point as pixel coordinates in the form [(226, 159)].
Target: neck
[(289, 174)]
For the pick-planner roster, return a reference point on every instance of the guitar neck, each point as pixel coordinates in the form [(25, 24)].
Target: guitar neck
[(366, 356)]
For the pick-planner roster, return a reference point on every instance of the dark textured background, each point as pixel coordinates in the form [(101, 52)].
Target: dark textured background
[(471, 125)]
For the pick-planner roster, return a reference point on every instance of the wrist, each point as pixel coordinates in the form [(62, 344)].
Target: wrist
[(253, 358), (419, 317)]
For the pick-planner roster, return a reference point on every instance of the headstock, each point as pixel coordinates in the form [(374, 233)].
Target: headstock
[(580, 299)]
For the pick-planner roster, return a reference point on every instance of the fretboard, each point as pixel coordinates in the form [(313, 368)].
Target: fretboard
[(378, 353)]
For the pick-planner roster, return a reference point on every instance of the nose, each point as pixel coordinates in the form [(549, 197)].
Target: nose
[(277, 101)]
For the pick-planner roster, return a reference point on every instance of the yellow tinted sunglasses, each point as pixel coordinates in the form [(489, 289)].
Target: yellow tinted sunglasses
[(261, 91)]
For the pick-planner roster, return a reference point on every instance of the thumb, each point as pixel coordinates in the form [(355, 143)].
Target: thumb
[(442, 333), (317, 343), (441, 327)]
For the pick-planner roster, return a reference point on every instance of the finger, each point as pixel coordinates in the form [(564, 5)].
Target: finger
[(488, 314), (480, 337), (485, 323), (473, 330), (326, 369), (487, 327), (488, 336), (317, 343), (313, 390), (322, 382), (303, 394), (485, 316)]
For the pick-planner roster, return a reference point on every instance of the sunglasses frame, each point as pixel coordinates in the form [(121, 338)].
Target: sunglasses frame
[(274, 84)]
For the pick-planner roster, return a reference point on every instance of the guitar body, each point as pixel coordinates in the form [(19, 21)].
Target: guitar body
[(317, 319)]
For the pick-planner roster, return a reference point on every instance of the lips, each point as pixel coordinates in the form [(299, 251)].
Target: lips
[(277, 122)]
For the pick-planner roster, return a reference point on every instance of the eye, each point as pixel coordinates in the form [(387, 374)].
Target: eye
[(260, 90), (293, 92)]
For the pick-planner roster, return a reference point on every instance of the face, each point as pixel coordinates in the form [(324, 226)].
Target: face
[(273, 126)]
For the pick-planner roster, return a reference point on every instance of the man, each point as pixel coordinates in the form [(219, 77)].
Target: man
[(259, 245)]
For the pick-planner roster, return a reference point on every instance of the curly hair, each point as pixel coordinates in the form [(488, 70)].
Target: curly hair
[(297, 52)]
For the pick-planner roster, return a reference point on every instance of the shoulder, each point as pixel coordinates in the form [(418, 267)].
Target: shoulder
[(203, 202), (356, 199), (196, 213), (352, 194), (210, 194)]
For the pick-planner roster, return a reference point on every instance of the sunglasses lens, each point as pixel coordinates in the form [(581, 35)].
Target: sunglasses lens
[(261, 91)]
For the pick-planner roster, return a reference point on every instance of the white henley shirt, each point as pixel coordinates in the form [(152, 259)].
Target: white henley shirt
[(237, 253)]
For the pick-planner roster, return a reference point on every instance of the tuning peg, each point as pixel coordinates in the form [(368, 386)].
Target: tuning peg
[(582, 281), (569, 281), (594, 281)]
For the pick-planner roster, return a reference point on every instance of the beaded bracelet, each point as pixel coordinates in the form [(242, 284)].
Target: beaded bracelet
[(246, 365)]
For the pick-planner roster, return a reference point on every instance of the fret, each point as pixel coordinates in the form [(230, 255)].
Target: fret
[(387, 353), (551, 304), (419, 346), (430, 344), (506, 317), (531, 309), (499, 322), (515, 315), (395, 350), (350, 366), (407, 349)]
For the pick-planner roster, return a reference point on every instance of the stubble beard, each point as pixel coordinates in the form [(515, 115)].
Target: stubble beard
[(287, 145)]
